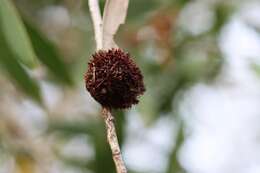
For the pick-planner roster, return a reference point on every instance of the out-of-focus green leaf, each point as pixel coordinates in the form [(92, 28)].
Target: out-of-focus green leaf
[(71, 128), (167, 84), (103, 156), (17, 72), (138, 9), (173, 164), (179, 3), (84, 165), (47, 54), (170, 82), (120, 121), (15, 33), (222, 12), (255, 68)]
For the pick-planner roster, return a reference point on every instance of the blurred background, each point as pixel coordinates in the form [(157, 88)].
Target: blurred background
[(200, 113)]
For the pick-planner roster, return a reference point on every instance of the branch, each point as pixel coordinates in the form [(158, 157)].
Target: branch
[(97, 21), (112, 140), (107, 115)]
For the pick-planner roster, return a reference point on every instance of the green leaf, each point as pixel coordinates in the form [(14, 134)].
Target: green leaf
[(120, 122), (255, 68), (16, 71), (223, 12), (15, 33), (103, 154), (139, 9), (174, 165), (71, 128), (47, 54), (78, 163)]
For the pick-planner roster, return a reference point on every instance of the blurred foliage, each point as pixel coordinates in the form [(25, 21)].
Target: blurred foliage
[(17, 72), (174, 165), (50, 41), (16, 37), (48, 55)]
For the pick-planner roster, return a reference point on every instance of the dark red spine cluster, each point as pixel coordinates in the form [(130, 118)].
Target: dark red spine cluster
[(113, 79)]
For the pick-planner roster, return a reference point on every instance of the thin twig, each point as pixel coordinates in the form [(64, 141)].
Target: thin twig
[(97, 21), (113, 141), (107, 115)]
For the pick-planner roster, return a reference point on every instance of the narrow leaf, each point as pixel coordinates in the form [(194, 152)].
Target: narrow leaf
[(174, 164), (114, 15), (16, 71), (15, 33), (71, 128), (47, 54)]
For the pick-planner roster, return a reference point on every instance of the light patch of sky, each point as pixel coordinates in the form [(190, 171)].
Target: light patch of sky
[(146, 149)]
